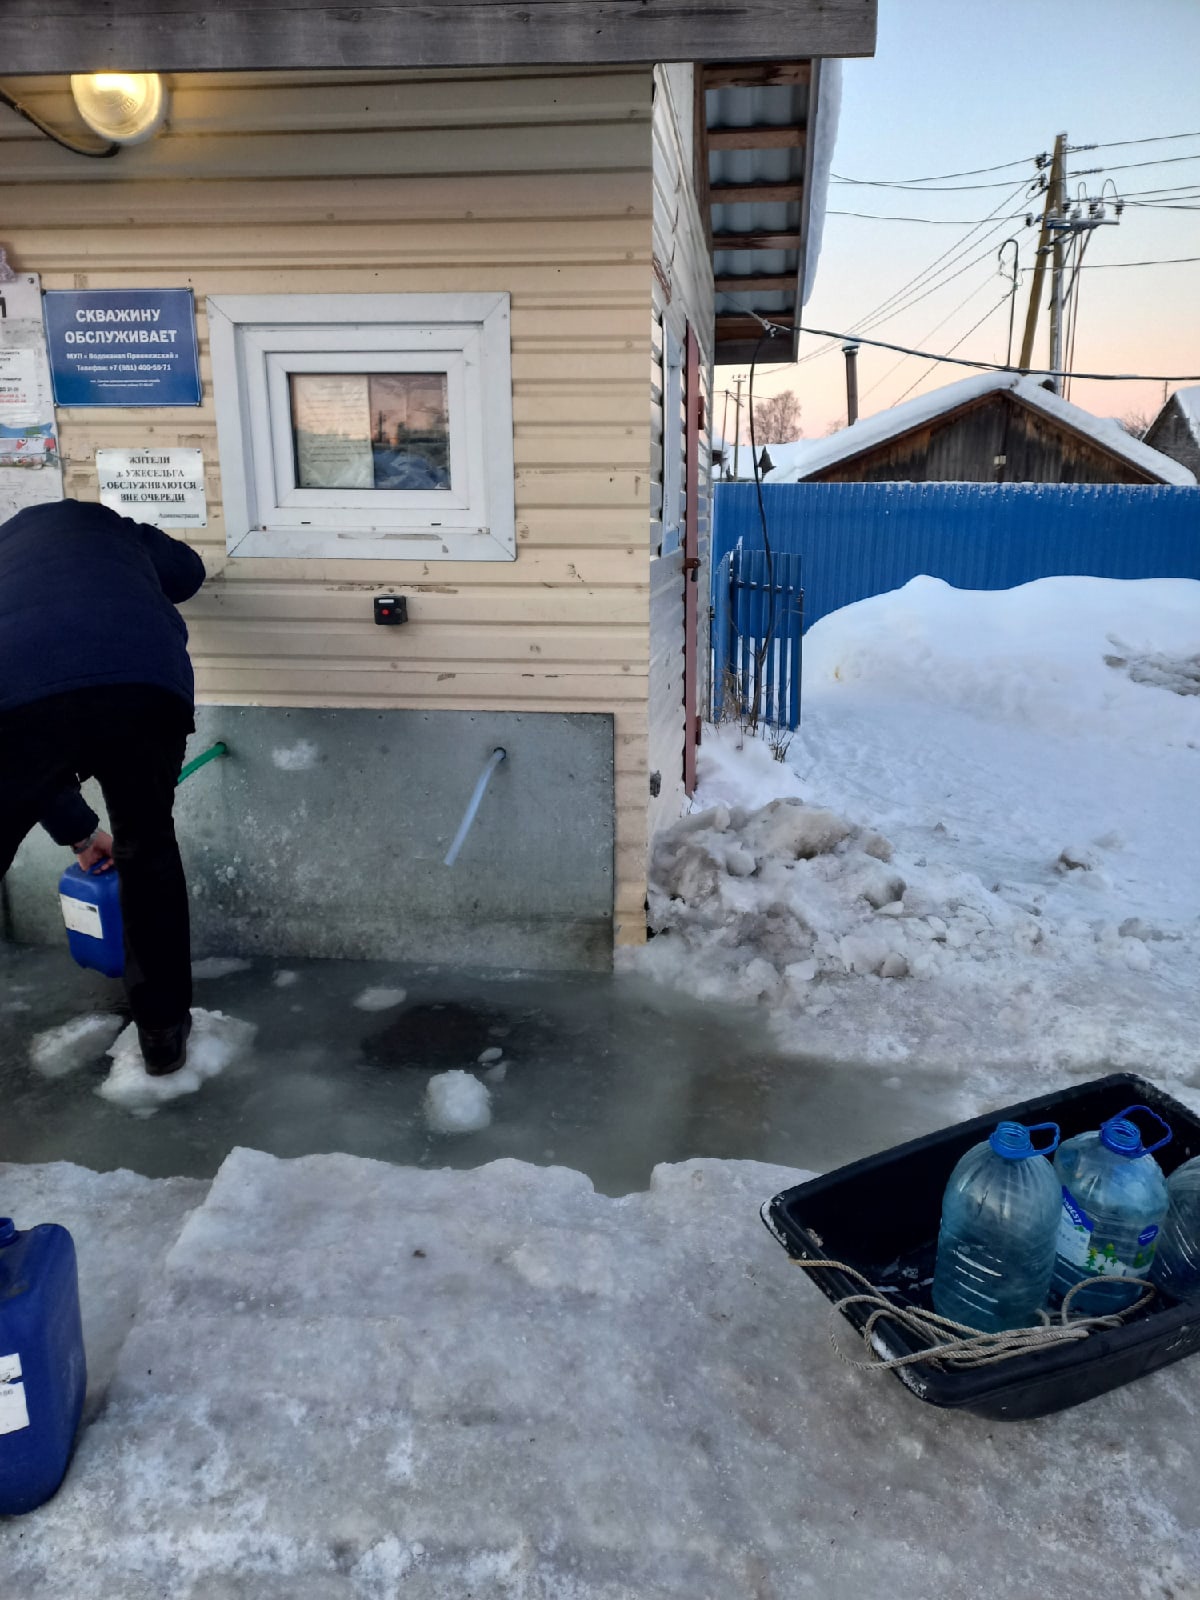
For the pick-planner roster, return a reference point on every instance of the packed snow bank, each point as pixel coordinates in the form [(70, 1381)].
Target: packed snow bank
[(216, 1041), (354, 1381), (1040, 907), (1046, 655), (456, 1102), (73, 1044)]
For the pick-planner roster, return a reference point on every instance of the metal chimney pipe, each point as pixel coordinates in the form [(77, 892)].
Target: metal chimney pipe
[(850, 351)]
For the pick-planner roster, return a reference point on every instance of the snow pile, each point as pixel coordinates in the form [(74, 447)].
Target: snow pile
[(1038, 909), (73, 1044), (216, 1041), (456, 1102), (353, 1381), (1047, 655), (380, 999), (285, 978), (299, 757), (211, 967), (767, 898)]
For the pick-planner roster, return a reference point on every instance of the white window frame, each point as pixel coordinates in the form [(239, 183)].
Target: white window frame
[(257, 341)]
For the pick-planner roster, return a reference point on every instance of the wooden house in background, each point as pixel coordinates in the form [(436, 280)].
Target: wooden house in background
[(991, 428), (1175, 431)]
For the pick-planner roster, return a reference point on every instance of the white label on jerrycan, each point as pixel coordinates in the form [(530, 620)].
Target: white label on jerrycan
[(81, 916), (14, 1413)]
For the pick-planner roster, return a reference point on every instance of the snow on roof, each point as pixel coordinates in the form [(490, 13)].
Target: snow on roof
[(807, 456), (1189, 406), (824, 136)]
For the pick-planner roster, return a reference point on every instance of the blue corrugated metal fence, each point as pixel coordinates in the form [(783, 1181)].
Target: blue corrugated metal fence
[(859, 539)]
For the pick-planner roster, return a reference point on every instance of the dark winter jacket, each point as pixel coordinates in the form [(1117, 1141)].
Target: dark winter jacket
[(87, 598)]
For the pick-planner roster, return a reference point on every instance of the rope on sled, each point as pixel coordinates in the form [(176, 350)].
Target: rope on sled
[(954, 1344)]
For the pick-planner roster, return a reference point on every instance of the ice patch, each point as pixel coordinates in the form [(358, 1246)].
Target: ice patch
[(490, 1055), (298, 757), (380, 999), (73, 1044), (455, 1102), (284, 979), (218, 967), (216, 1041)]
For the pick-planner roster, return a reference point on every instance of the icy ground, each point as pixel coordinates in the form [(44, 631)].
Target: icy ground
[(335, 1379), (981, 854)]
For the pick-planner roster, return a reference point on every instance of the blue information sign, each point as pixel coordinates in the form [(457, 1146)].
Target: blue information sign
[(123, 347)]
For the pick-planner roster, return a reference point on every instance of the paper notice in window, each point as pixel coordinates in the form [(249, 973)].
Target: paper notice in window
[(331, 422)]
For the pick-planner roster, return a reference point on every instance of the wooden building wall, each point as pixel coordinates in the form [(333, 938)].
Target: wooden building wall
[(538, 183), (965, 447), (1172, 433), (683, 294)]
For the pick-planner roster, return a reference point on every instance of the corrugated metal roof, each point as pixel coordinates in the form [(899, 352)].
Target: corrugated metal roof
[(764, 106)]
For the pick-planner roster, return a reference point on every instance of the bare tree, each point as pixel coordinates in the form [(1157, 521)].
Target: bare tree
[(835, 426), (1136, 423), (777, 420)]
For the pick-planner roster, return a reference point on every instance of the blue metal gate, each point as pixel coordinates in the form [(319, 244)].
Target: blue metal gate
[(859, 539), (758, 618)]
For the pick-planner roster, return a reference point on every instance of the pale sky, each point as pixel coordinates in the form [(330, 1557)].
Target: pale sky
[(956, 86)]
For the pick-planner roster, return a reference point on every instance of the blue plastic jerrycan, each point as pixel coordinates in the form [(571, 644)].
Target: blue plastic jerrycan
[(91, 908), (43, 1372)]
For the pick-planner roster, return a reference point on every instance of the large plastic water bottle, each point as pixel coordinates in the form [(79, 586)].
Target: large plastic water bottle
[(1114, 1200), (1177, 1262), (43, 1373), (999, 1222)]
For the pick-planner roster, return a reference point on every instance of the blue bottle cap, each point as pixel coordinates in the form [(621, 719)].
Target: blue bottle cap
[(1013, 1140), (1124, 1138), (8, 1230)]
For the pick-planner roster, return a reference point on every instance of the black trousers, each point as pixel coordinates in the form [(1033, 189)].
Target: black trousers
[(131, 739)]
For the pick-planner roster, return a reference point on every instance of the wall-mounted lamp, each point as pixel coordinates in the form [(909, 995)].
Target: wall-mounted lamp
[(123, 107)]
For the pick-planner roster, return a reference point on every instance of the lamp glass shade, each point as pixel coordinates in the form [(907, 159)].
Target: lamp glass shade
[(123, 107)]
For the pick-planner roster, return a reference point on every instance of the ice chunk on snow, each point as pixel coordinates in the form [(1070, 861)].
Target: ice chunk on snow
[(789, 828), (284, 979), (298, 757), (73, 1044), (216, 1041), (455, 1102), (218, 967), (492, 1053), (380, 999)]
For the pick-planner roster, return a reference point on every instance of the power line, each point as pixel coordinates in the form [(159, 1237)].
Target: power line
[(895, 367), (1158, 261), (888, 216), (945, 188), (988, 366), (1154, 138), (920, 378), (938, 177), (1129, 166)]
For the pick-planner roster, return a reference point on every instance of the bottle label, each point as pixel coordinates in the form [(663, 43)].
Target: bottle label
[(14, 1413), (1079, 1245)]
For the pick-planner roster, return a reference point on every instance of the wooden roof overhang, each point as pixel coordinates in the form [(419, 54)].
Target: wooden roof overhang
[(53, 36), (755, 149)]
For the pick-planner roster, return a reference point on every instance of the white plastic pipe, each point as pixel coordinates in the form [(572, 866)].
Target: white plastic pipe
[(464, 827)]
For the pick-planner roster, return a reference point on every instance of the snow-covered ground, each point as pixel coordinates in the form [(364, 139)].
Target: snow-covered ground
[(982, 851), (335, 1379)]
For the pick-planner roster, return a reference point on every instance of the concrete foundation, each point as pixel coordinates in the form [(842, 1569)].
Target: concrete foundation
[(323, 833)]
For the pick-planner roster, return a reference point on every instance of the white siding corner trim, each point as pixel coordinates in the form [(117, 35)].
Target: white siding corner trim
[(260, 341)]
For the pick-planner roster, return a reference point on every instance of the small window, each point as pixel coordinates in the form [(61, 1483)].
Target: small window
[(365, 426)]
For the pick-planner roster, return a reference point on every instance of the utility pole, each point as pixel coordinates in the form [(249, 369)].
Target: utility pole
[(737, 423), (1053, 189), (1055, 199)]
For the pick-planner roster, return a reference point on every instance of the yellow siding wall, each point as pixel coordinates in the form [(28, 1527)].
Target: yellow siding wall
[(536, 184)]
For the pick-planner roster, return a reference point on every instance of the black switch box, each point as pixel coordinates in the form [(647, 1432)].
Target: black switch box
[(390, 609)]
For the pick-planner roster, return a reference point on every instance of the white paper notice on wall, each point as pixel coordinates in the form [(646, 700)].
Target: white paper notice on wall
[(30, 469), (165, 487), (14, 1413)]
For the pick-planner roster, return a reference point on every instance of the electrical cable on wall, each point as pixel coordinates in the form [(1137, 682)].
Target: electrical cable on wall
[(94, 152)]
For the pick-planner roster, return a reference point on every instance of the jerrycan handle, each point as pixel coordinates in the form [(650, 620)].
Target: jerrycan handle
[(1147, 1149), (1041, 1127)]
